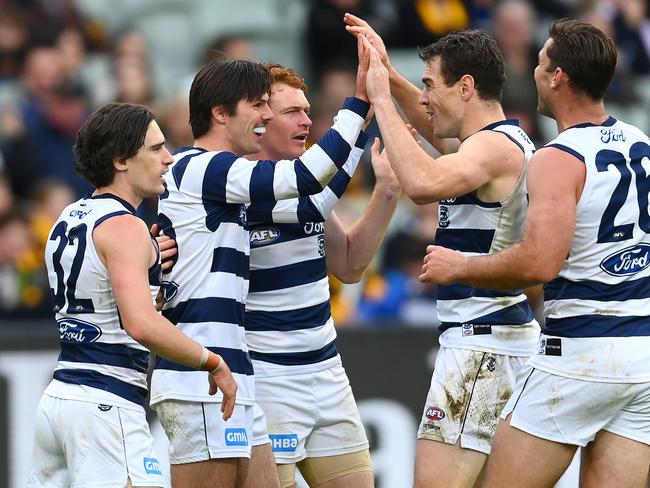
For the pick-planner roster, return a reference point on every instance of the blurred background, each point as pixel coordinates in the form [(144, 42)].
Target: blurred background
[(61, 59)]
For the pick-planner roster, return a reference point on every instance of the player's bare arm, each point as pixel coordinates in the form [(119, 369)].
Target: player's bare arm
[(555, 181), (350, 252), (128, 273), (478, 161), (405, 92)]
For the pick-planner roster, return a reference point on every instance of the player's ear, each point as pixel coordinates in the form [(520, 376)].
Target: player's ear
[(466, 86), (120, 164), (219, 114)]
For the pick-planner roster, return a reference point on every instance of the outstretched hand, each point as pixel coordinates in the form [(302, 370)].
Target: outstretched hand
[(384, 174), (377, 82), (359, 27)]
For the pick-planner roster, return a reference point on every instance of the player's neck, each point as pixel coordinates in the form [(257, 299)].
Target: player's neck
[(579, 110), (121, 192), (480, 117)]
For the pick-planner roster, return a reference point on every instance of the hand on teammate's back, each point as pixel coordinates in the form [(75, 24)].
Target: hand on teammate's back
[(168, 249)]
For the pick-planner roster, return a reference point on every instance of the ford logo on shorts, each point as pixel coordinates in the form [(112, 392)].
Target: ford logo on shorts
[(75, 330), (627, 261), (435, 413)]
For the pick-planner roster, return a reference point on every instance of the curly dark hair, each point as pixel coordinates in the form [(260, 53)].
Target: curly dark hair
[(470, 52), (114, 132)]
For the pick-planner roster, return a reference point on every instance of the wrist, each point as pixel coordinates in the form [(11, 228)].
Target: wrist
[(210, 361)]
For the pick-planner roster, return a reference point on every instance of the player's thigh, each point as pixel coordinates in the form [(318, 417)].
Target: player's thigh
[(613, 460), (461, 467), (290, 408), (338, 429), (287, 475), (350, 470), (48, 458), (524, 460), (214, 473), (260, 470), (197, 431), (467, 394)]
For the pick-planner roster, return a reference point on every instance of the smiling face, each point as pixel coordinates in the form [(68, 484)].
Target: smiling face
[(146, 168), (246, 127), (287, 132), (442, 103)]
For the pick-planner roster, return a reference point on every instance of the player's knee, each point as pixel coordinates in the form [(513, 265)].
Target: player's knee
[(287, 475), (319, 470)]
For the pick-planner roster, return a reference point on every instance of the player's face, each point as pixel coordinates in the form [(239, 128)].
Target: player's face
[(543, 76), (441, 102), (147, 167), (246, 128), (287, 133)]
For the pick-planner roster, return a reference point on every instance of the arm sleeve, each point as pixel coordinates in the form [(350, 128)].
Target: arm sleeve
[(312, 208), (232, 179)]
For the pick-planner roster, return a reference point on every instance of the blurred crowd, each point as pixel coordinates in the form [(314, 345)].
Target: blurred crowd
[(59, 62)]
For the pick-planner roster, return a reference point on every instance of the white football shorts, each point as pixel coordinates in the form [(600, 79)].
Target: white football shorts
[(311, 415), (468, 391), (572, 411), (197, 431), (82, 444)]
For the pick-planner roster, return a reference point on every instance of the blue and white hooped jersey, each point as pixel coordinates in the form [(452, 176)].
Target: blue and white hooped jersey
[(203, 210), (597, 309), (289, 326), (484, 319), (99, 361)]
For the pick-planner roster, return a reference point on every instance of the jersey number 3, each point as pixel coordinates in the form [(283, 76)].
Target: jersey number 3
[(608, 231), (65, 289)]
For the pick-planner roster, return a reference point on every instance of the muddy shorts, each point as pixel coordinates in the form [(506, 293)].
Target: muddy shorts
[(468, 391)]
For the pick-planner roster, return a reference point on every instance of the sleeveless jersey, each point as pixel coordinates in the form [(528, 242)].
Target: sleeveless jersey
[(597, 325), (203, 210), (98, 360), (487, 320), (289, 326)]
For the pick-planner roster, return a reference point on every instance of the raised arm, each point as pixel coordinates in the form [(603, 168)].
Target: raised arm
[(555, 181), (312, 208), (405, 92), (349, 252), (128, 274)]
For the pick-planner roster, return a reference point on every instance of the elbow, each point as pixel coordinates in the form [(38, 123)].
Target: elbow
[(419, 194), (350, 274), (540, 273), (137, 330)]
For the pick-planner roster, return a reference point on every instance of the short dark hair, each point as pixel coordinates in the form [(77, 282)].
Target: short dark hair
[(224, 83), (470, 52), (112, 133), (584, 53)]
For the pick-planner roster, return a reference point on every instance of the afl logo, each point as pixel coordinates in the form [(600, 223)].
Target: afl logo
[(263, 235), (74, 330), (627, 261), (321, 245), (434, 413)]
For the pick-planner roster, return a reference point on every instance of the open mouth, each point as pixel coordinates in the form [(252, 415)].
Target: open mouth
[(260, 130), (301, 137)]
